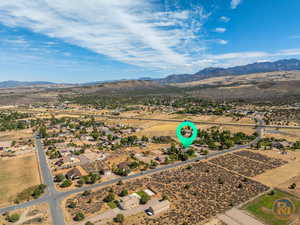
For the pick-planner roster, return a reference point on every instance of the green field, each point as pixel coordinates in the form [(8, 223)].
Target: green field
[(262, 207)]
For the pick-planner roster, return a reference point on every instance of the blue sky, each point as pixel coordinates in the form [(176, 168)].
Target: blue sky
[(82, 41)]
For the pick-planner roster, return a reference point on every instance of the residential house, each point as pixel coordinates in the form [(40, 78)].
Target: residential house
[(281, 144), (60, 162), (73, 174), (161, 158), (5, 144), (123, 165)]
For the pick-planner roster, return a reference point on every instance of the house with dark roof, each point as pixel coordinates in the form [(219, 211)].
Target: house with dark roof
[(73, 174)]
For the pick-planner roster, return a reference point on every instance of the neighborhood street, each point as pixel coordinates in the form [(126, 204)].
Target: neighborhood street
[(54, 198)]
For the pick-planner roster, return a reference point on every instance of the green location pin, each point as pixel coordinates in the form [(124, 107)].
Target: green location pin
[(186, 142)]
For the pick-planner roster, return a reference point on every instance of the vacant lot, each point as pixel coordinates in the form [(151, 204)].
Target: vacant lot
[(288, 134), (37, 214), (291, 186), (282, 174), (14, 135), (262, 207), (15, 175)]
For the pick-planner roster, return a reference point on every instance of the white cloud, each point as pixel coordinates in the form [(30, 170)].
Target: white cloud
[(220, 30), (294, 37), (234, 3), (242, 58), (224, 19), (222, 42), (129, 31), (289, 52)]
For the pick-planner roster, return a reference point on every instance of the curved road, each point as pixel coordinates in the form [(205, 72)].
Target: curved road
[(54, 198)]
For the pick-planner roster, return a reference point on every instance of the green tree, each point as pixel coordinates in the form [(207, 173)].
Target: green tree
[(38, 191), (43, 132), (123, 193), (109, 198), (144, 199), (59, 178)]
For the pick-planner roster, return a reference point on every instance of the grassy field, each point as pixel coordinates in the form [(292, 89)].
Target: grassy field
[(262, 207), (16, 175)]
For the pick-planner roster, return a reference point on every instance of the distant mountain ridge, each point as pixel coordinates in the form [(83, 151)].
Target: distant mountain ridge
[(261, 67), (13, 83)]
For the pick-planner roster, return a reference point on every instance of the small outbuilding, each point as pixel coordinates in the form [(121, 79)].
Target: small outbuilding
[(159, 207)]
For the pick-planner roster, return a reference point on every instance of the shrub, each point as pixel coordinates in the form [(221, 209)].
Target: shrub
[(119, 218), (79, 216), (66, 183), (13, 218), (72, 205), (86, 193), (292, 186), (89, 223)]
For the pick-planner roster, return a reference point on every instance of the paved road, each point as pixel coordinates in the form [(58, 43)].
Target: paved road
[(162, 120), (53, 197)]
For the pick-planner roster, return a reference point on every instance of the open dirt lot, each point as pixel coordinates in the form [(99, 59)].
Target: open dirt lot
[(37, 214), (17, 174), (286, 186), (280, 175), (288, 134), (14, 135)]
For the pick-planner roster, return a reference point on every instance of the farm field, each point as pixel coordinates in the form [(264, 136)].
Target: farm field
[(16, 175)]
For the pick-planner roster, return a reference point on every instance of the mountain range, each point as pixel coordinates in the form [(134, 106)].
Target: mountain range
[(259, 67), (13, 83)]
